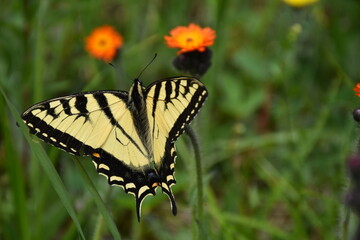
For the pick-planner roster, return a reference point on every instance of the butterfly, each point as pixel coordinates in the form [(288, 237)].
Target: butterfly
[(130, 136)]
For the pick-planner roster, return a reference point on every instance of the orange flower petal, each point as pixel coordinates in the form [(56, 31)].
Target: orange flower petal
[(190, 38), (357, 89), (103, 43)]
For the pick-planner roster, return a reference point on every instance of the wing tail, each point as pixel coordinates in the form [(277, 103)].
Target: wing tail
[(166, 189)]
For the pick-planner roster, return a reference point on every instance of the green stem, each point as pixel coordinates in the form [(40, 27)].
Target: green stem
[(98, 227), (345, 224), (39, 52), (199, 180), (98, 201)]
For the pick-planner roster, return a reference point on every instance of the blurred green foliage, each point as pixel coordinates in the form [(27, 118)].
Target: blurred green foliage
[(274, 133)]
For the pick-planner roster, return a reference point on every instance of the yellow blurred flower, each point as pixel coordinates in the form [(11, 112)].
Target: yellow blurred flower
[(103, 43), (191, 38), (299, 3)]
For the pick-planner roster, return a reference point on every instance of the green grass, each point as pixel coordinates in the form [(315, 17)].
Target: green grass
[(274, 133)]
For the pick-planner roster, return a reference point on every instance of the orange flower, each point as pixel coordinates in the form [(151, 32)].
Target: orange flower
[(190, 38), (103, 43), (357, 89)]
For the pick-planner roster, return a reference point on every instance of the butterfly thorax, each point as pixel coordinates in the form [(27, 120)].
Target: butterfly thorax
[(137, 106)]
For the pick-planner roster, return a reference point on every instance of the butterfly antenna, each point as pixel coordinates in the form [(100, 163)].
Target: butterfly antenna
[(120, 71), (147, 66), (117, 68)]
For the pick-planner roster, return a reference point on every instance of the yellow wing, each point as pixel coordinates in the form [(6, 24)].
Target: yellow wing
[(171, 104)]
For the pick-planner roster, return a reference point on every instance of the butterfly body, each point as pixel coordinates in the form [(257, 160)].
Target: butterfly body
[(130, 136), (137, 106)]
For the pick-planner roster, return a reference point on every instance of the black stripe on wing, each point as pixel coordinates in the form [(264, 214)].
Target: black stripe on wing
[(80, 105), (102, 101), (50, 134), (155, 98)]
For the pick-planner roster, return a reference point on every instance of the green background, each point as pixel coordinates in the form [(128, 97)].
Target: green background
[(274, 133)]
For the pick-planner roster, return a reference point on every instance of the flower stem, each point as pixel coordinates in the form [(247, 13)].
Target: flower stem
[(199, 180)]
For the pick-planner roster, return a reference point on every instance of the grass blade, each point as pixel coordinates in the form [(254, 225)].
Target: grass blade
[(99, 202), (47, 166), (16, 180)]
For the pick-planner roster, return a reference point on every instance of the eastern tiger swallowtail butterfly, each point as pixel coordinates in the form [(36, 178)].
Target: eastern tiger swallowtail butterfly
[(129, 135)]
